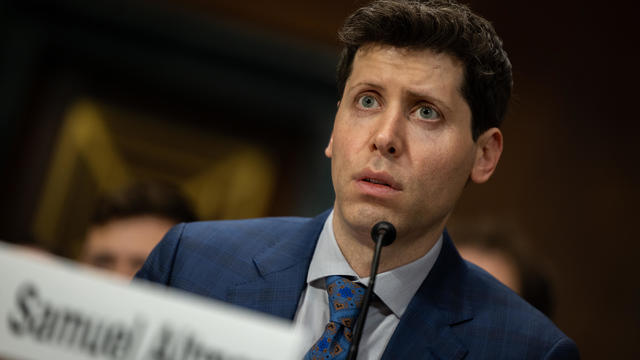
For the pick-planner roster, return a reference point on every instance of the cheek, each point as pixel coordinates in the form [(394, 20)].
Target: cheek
[(340, 163), (446, 167), (344, 145), (344, 162), (337, 159)]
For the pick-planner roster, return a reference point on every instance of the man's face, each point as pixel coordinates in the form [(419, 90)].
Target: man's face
[(122, 245), (401, 146)]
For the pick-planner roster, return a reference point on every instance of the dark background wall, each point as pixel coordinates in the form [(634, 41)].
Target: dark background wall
[(569, 175)]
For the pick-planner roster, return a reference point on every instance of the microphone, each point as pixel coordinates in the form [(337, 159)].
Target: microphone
[(383, 234)]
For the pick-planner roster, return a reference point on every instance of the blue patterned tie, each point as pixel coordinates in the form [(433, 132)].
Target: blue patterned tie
[(345, 299)]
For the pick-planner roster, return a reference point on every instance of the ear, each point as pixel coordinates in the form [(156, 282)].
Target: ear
[(488, 151), (328, 151)]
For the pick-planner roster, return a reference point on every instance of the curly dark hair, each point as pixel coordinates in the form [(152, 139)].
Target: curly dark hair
[(443, 26)]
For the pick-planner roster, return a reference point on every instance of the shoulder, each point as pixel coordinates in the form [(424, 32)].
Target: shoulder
[(232, 238), (512, 325), (224, 233), (206, 257), (220, 231), (201, 238)]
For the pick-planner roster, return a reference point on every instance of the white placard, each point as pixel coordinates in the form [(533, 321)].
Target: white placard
[(55, 309)]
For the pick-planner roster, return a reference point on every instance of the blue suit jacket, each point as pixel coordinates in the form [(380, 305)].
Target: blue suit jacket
[(458, 312)]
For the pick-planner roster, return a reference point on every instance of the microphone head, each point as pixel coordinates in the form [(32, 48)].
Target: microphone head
[(384, 229)]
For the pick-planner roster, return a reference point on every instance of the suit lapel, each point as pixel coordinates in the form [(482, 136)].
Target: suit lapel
[(281, 271), (424, 331)]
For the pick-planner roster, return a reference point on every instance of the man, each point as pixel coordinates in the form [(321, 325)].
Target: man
[(423, 88), (129, 223)]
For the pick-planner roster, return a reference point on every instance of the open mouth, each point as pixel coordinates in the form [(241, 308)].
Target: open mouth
[(376, 181)]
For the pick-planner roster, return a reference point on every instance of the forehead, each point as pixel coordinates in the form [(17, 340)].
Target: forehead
[(128, 234), (415, 69)]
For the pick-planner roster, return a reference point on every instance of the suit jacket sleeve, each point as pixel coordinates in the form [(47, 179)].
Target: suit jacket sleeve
[(159, 265)]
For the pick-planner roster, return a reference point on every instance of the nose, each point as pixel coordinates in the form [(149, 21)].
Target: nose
[(387, 138)]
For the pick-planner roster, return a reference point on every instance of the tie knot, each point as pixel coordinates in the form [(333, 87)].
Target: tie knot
[(345, 299)]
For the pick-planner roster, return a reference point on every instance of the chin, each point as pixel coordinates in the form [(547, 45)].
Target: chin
[(363, 217)]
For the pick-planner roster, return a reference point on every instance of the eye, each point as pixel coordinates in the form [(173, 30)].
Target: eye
[(368, 102), (426, 112)]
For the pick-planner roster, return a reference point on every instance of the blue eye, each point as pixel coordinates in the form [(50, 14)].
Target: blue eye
[(428, 113), (368, 102)]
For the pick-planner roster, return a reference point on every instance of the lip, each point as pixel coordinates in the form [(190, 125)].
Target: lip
[(377, 183)]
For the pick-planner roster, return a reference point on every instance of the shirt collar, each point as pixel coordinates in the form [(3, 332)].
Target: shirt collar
[(394, 287)]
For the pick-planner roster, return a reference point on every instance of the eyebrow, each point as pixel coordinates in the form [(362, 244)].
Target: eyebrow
[(366, 84)]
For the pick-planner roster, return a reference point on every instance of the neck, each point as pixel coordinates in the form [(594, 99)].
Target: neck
[(357, 247)]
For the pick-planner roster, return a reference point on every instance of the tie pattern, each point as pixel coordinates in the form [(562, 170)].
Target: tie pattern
[(345, 300)]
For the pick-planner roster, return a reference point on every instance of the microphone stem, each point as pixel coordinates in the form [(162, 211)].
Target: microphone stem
[(357, 333)]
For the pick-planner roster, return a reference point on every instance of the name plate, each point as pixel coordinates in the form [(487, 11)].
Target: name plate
[(55, 309)]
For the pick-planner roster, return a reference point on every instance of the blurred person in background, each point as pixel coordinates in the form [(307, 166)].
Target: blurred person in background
[(504, 254), (128, 223)]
